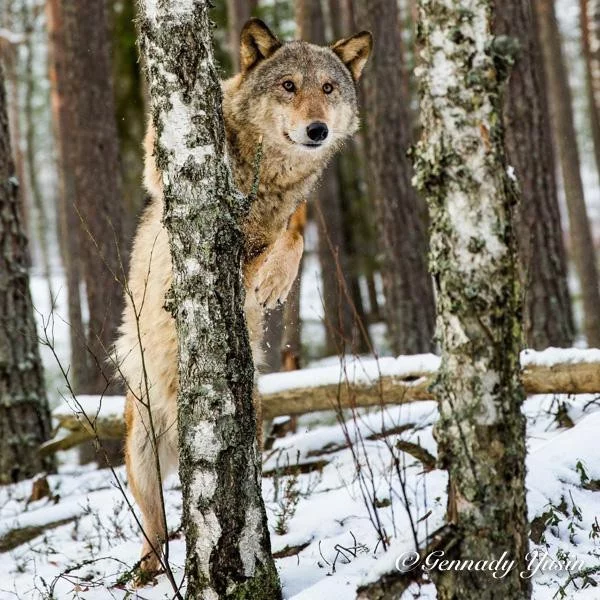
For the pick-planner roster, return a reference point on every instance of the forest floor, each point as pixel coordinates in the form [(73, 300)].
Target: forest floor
[(325, 515), (332, 490)]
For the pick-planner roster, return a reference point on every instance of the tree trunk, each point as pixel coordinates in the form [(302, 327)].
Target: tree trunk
[(24, 413), (548, 320), (342, 303), (590, 40), (42, 223), (238, 12), (130, 107), (228, 547), (402, 221), (90, 174), (462, 171), (63, 121), (561, 109), (10, 57)]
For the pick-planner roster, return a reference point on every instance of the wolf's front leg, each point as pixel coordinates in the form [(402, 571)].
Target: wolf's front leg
[(271, 275)]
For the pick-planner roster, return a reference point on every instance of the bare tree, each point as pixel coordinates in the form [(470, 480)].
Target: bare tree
[(401, 214), (548, 319), (228, 548), (462, 171), (24, 413), (559, 95), (590, 40), (92, 204), (130, 111)]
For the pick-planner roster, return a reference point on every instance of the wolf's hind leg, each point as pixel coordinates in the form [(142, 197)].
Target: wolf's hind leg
[(144, 484)]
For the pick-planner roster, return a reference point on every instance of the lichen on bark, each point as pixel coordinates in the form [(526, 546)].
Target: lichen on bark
[(228, 547), (462, 171)]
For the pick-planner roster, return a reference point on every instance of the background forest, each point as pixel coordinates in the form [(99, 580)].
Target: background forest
[(77, 101)]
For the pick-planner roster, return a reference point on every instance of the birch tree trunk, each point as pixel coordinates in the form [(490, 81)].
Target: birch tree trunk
[(228, 547), (462, 171), (24, 413), (561, 107), (548, 319)]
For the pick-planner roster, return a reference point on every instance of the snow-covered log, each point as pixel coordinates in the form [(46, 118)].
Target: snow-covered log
[(353, 383)]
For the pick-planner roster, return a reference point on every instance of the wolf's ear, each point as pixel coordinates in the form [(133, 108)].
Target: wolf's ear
[(354, 52), (257, 43)]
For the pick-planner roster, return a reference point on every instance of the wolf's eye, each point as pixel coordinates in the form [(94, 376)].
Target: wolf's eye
[(289, 86), (327, 88)]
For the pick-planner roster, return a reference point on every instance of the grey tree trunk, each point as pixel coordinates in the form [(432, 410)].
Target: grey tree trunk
[(462, 171), (561, 109), (228, 547), (24, 413), (402, 220), (548, 319)]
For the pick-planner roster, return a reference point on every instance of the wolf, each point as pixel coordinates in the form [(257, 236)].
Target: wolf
[(298, 101)]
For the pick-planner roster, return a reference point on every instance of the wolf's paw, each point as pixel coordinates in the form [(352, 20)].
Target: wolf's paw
[(277, 270), (273, 286), (147, 571)]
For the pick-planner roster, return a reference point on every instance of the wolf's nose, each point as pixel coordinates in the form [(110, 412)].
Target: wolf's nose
[(317, 131)]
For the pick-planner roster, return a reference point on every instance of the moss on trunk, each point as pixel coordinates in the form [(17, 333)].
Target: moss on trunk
[(228, 547)]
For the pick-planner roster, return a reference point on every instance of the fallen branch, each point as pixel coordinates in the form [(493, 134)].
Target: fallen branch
[(21, 535), (365, 383)]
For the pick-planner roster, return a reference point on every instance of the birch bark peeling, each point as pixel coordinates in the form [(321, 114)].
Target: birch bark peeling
[(228, 547), (461, 170)]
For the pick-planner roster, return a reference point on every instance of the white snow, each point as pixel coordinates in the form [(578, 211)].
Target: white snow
[(555, 356), (351, 370), (103, 407), (331, 516)]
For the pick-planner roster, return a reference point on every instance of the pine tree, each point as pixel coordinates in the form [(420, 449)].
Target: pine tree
[(561, 108), (401, 214), (548, 319), (24, 413)]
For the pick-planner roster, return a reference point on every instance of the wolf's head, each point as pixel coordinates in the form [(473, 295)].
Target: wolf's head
[(299, 94)]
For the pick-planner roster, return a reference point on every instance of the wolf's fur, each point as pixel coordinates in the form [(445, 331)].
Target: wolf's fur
[(257, 109)]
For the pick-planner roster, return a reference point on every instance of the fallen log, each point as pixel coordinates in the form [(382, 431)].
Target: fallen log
[(355, 383)]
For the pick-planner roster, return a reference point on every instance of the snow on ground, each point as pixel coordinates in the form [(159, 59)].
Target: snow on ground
[(321, 513)]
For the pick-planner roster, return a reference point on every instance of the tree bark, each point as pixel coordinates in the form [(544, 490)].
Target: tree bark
[(63, 121), (401, 215), (24, 413), (93, 204), (548, 319), (42, 223), (130, 111), (590, 40), (228, 549), (561, 109), (462, 171)]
